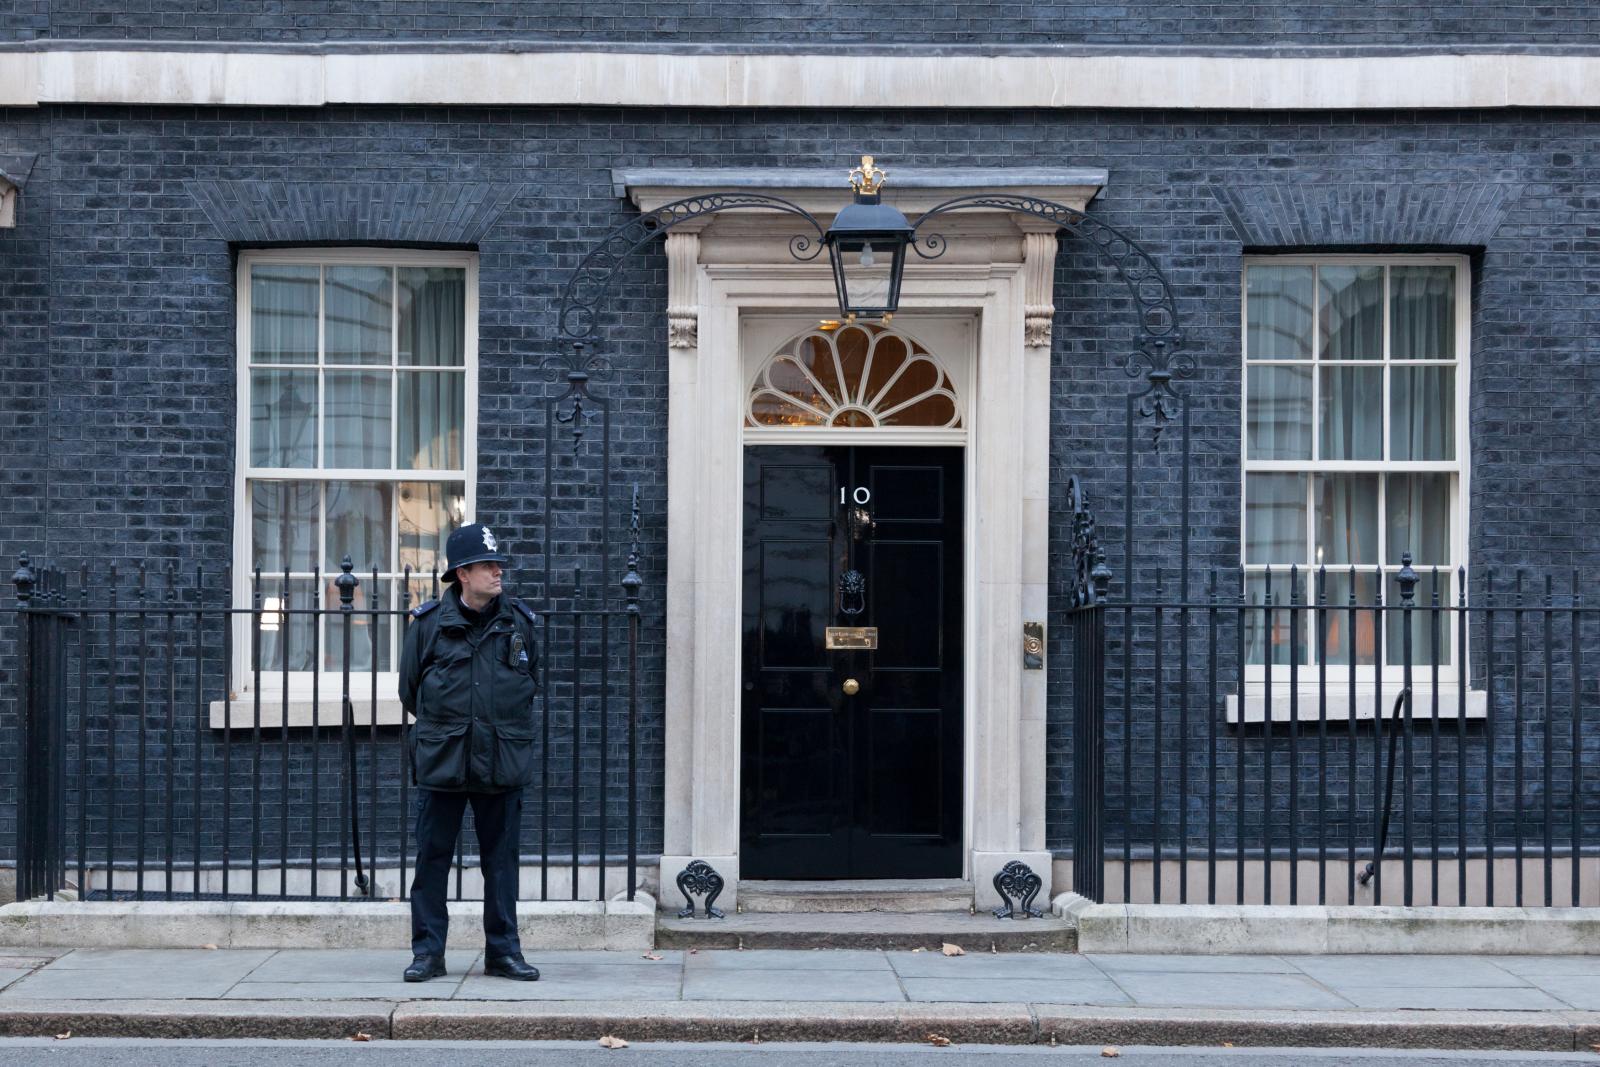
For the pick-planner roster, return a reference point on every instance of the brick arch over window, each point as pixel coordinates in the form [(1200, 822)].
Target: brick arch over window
[(856, 376)]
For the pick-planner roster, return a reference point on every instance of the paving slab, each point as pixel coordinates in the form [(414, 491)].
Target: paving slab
[(781, 985), (1170, 964), (362, 965), (11, 974), (1228, 991), (1535, 965), (1577, 990), (122, 974), (437, 989), (568, 981), (1064, 966), (217, 960), (820, 959), (1461, 998), (1001, 990), (669, 957), (715, 1021), (1443, 971)]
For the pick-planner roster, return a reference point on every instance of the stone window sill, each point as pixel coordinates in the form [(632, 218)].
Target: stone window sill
[(1368, 702), (240, 713)]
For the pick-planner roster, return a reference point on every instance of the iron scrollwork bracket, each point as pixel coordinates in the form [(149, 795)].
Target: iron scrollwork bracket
[(593, 278), (699, 878), (1017, 880), (1157, 356)]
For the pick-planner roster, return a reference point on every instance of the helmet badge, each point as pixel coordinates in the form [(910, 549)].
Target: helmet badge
[(489, 541)]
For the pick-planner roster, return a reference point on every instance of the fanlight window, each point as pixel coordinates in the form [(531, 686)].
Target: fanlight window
[(858, 375)]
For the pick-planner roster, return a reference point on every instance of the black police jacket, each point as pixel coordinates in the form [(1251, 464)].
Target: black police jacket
[(473, 696)]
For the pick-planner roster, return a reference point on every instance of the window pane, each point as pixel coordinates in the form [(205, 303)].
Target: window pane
[(1278, 305), (283, 418), (428, 512), (357, 430), (1423, 632), (1419, 518), (1350, 418), (1422, 315), (1340, 629), (433, 316), (283, 525), (363, 627), (284, 632), (283, 314), (1279, 413), (359, 516), (1352, 312), (432, 414), (1422, 417), (359, 302), (1347, 519), (1264, 627), (1275, 518)]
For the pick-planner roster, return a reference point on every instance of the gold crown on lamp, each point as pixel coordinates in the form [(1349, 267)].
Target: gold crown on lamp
[(867, 178)]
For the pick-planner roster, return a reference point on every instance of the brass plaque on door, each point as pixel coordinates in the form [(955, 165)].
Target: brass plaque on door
[(844, 637)]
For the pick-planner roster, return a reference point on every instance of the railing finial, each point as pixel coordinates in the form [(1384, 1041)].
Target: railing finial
[(347, 583), (23, 579), (1408, 581)]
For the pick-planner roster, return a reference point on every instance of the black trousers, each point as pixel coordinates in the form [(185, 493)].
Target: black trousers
[(498, 817)]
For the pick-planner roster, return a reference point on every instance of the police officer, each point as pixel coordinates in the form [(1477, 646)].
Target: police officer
[(468, 676)]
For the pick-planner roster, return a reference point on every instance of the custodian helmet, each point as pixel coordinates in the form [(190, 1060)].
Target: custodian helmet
[(472, 543)]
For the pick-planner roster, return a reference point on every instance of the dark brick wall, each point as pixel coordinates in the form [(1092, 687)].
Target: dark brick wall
[(1185, 22), (140, 390)]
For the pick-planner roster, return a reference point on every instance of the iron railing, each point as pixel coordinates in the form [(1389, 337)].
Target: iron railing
[(1429, 745), (155, 765)]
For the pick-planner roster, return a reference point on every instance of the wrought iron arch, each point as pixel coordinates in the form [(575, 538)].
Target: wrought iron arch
[(1158, 355)]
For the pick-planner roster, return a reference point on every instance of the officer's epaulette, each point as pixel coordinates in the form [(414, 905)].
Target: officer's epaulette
[(520, 606), (422, 609)]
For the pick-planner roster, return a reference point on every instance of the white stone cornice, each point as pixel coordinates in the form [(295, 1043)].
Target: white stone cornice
[(263, 76)]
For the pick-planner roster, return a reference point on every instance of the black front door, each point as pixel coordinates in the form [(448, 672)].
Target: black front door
[(852, 755)]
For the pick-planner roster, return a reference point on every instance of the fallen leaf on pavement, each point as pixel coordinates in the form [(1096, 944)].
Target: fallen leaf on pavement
[(1111, 1052), (953, 950), (650, 956), (694, 952), (1227, 1044), (63, 1037), (360, 1035), (212, 948), (919, 950), (938, 1040), (612, 1042)]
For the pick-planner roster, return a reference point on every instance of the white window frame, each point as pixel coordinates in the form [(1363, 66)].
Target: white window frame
[(293, 702), (1373, 692)]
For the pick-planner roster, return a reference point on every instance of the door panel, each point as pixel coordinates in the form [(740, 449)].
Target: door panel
[(837, 785)]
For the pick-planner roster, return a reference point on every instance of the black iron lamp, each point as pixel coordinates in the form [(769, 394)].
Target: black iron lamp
[(867, 247)]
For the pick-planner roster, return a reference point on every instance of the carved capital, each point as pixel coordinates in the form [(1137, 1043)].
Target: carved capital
[(683, 305), (1039, 275)]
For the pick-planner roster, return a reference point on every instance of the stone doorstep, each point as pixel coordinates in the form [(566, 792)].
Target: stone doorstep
[(296, 924), (880, 895), (1259, 929), (875, 930), (1016, 1024)]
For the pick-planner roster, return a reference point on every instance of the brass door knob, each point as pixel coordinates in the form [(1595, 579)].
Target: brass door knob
[(851, 687)]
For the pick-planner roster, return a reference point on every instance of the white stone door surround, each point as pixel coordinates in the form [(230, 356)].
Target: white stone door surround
[(999, 268)]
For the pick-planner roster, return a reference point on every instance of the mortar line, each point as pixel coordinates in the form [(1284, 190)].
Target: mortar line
[(899, 979)]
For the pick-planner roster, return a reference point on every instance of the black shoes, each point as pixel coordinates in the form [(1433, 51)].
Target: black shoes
[(424, 967), (514, 967)]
